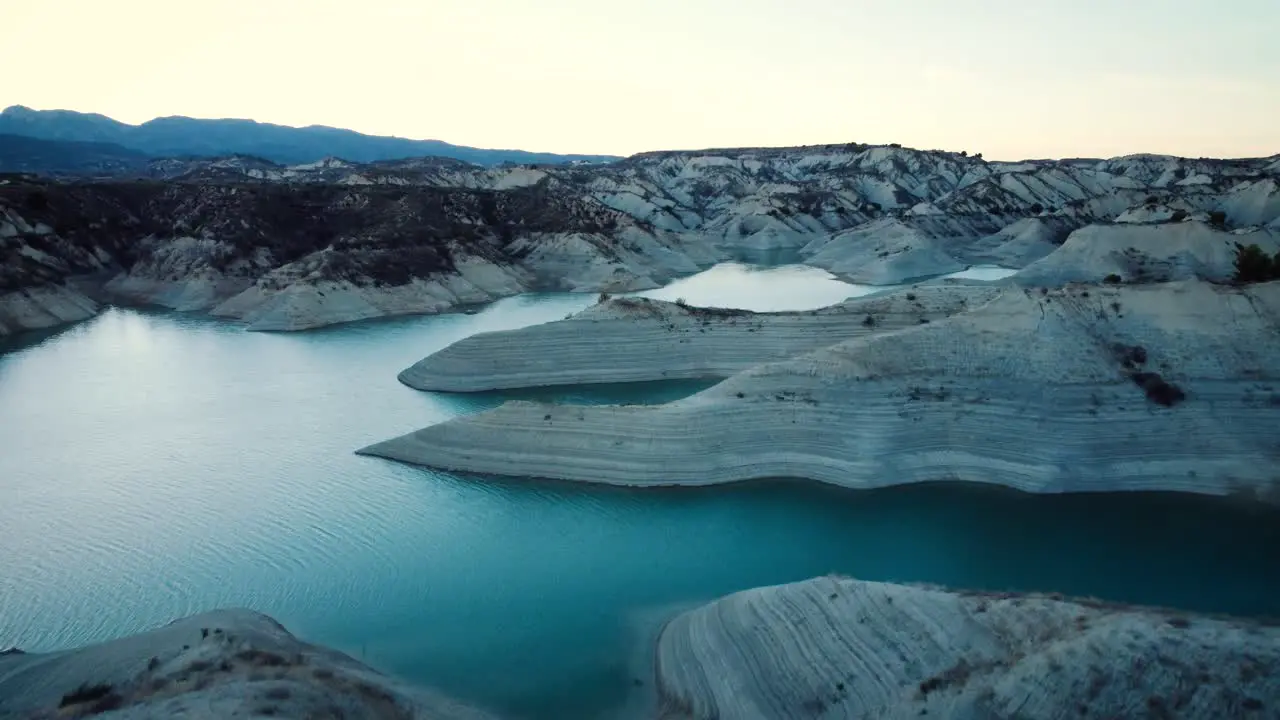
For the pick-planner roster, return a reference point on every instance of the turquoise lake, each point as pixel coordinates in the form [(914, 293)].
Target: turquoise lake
[(154, 465)]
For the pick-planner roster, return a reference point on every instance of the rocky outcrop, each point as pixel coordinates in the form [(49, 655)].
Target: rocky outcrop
[(294, 247), (225, 663), (1158, 387), (1145, 253), (639, 339), (838, 647), (44, 306), (886, 252)]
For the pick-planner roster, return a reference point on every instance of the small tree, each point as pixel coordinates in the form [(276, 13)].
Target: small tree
[(1254, 265)]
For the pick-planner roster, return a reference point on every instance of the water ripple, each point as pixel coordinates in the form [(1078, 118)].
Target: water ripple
[(199, 466)]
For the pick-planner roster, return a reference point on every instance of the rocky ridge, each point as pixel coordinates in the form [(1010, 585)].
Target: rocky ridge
[(294, 247), (629, 339)]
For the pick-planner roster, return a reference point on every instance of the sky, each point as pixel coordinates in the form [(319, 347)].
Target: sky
[(1012, 79)]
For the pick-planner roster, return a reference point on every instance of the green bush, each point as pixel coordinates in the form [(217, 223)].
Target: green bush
[(1254, 265)]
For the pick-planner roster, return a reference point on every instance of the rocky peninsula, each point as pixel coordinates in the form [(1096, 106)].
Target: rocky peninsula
[(641, 339), (296, 247), (1167, 386)]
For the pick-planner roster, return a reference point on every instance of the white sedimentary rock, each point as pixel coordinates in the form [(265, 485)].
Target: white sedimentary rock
[(305, 305), (43, 306), (1020, 243), (639, 339), (220, 664), (1170, 251), (871, 214), (885, 252), (842, 648), (1038, 390)]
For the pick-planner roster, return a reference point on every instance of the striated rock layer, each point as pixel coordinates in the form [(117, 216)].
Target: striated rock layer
[(640, 339), (843, 648), (225, 663), (1159, 387), (44, 306)]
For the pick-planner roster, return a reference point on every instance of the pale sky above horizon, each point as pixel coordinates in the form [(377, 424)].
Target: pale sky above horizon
[(1009, 78)]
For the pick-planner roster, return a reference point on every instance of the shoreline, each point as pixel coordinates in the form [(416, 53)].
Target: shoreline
[(951, 399)]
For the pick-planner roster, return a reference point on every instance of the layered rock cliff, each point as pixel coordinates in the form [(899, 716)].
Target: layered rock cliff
[(838, 647), (639, 339)]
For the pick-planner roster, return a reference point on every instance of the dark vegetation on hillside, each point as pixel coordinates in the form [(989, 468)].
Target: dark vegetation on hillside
[(378, 235), (1254, 265)]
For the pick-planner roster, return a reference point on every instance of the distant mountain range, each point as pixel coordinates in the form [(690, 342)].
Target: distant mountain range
[(104, 140)]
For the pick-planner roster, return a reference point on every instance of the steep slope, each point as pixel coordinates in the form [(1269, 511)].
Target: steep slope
[(225, 663), (1145, 253), (1156, 387), (838, 647), (638, 339), (280, 143)]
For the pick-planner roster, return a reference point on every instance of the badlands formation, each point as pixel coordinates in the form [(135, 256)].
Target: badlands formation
[(302, 246), (639, 339)]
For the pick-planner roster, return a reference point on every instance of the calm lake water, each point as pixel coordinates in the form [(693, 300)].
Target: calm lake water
[(154, 465)]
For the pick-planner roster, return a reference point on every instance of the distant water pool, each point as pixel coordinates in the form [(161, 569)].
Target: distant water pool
[(154, 465), (784, 287), (738, 285)]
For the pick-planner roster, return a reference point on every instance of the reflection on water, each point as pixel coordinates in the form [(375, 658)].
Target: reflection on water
[(734, 285), (981, 272), (785, 287), (155, 465)]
